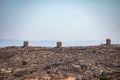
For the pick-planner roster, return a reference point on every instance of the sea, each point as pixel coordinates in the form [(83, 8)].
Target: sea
[(52, 43)]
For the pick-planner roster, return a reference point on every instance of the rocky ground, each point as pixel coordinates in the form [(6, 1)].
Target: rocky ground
[(69, 63)]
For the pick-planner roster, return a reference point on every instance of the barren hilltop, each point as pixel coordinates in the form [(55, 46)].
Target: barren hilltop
[(100, 62)]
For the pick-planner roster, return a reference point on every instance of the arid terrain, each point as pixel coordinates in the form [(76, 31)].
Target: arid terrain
[(100, 62)]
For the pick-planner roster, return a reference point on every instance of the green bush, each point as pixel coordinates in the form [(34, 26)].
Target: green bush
[(21, 73), (18, 75), (24, 62), (104, 78)]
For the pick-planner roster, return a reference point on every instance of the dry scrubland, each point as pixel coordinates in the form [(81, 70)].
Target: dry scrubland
[(69, 63)]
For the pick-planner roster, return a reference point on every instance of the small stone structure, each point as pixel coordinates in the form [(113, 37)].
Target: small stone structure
[(59, 44), (108, 41), (25, 43)]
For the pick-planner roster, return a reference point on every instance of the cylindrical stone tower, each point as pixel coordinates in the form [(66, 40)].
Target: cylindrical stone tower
[(25, 43), (108, 41), (59, 44)]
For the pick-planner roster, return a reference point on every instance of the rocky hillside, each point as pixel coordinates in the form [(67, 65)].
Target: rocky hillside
[(69, 63)]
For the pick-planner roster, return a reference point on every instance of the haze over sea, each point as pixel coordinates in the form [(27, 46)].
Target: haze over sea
[(52, 43)]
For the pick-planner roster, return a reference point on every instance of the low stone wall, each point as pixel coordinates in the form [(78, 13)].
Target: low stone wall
[(72, 49)]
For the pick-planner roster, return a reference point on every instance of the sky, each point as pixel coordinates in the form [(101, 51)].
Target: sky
[(65, 20)]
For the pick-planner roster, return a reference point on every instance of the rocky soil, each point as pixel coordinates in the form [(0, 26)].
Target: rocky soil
[(100, 62)]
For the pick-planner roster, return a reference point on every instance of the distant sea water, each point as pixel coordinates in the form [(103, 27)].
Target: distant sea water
[(52, 43)]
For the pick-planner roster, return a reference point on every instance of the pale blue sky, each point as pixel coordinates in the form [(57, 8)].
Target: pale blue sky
[(65, 20)]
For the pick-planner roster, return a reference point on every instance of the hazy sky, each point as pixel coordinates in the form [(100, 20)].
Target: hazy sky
[(65, 20)]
